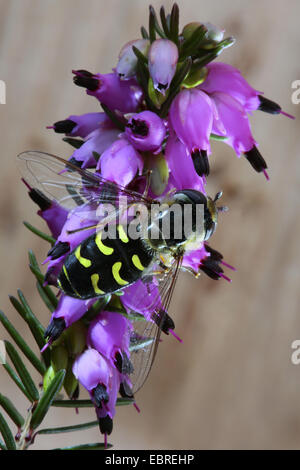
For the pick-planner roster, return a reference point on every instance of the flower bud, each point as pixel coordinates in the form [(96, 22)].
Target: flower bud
[(213, 32), (126, 66), (146, 131), (189, 29), (79, 126), (163, 57), (70, 382)]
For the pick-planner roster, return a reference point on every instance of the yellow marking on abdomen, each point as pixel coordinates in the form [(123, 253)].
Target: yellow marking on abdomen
[(137, 262), (83, 261), (122, 233), (116, 274), (68, 279), (95, 279), (106, 250)]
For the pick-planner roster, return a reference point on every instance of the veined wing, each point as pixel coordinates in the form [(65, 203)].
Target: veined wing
[(70, 185), (154, 297)]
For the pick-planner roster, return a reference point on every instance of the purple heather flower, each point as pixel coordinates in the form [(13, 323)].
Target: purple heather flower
[(163, 57), (71, 309), (235, 121), (225, 78), (141, 297), (109, 89), (191, 116), (53, 213), (79, 126), (120, 163), (127, 63), (91, 369), (107, 410), (109, 334), (146, 131), (97, 141), (183, 174)]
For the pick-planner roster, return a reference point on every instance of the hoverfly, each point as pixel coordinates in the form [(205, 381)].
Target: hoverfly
[(148, 265)]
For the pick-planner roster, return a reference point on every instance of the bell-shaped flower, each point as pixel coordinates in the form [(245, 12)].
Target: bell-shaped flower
[(95, 144), (79, 126), (108, 333), (182, 171), (162, 60), (92, 369), (146, 131), (191, 116), (109, 89), (120, 163), (51, 211), (235, 121), (225, 78), (127, 63)]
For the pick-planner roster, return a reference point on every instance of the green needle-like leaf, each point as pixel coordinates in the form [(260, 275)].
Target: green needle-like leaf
[(164, 22), (174, 23), (26, 313), (144, 33), (44, 296), (11, 410), (22, 344), (86, 403), (47, 399), (7, 434), (2, 445), (151, 24), (16, 379), (39, 233), (75, 427), (34, 267), (94, 446), (22, 371)]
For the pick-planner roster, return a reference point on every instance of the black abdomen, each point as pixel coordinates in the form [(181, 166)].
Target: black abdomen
[(101, 265)]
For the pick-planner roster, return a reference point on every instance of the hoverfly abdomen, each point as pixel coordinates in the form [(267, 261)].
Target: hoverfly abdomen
[(104, 264)]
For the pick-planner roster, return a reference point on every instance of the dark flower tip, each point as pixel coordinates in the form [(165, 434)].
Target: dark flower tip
[(55, 329), (123, 363), (200, 161), (125, 390), (257, 161), (64, 127), (106, 425), (268, 106), (139, 127), (58, 250), (100, 395), (164, 321), (211, 265), (40, 199), (86, 79)]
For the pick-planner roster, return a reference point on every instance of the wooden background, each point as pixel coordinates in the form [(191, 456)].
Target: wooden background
[(231, 384)]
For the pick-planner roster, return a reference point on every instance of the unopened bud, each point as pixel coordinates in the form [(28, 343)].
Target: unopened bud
[(48, 377), (75, 338), (159, 175), (59, 358), (126, 67), (195, 77)]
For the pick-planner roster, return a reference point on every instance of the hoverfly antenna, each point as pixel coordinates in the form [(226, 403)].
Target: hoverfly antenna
[(222, 209), (218, 196)]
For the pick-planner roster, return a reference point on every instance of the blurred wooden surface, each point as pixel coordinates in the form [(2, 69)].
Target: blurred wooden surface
[(231, 384)]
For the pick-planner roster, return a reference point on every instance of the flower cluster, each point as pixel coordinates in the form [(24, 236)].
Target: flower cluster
[(163, 103)]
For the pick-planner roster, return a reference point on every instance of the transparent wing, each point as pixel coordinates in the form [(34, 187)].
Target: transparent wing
[(154, 296), (70, 185)]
